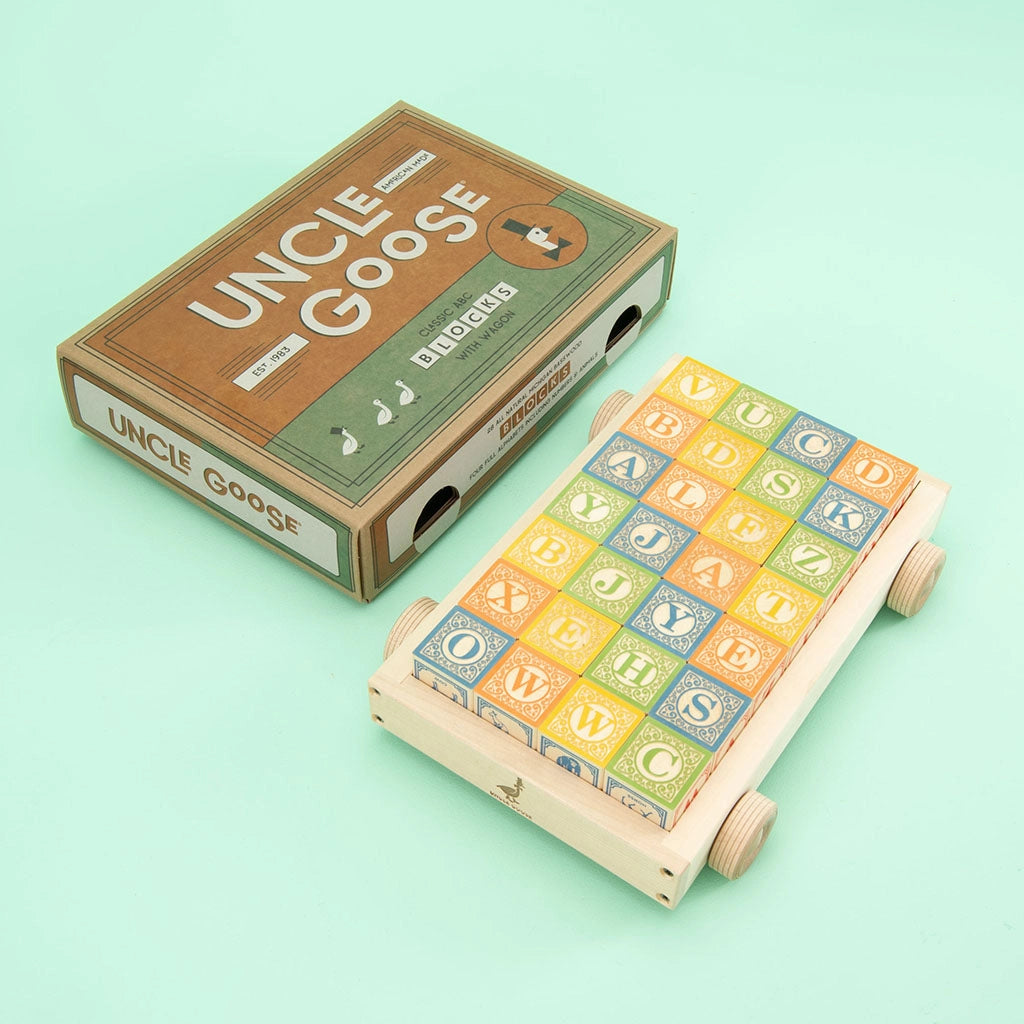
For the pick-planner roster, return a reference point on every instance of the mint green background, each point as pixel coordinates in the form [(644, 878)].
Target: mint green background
[(198, 821)]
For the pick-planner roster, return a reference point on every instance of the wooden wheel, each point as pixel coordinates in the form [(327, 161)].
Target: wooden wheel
[(610, 408), (916, 579), (406, 623), (742, 834)]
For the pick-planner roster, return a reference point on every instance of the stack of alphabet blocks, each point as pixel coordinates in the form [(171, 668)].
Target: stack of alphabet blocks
[(631, 629)]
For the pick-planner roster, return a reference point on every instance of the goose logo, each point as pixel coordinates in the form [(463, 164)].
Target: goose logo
[(537, 237)]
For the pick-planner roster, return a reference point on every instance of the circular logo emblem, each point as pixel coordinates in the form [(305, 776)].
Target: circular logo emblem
[(537, 237)]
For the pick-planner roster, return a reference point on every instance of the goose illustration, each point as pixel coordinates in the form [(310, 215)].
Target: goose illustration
[(540, 237), (407, 394), (512, 792), (385, 415), (350, 444)]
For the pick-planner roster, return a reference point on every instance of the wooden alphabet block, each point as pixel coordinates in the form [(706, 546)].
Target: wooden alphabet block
[(585, 730), (685, 495), (627, 465), (776, 606), (589, 507), (523, 686), (748, 527), (814, 443), (756, 415), (570, 633), (611, 584), (507, 597), (657, 772), (738, 655), (550, 551), (634, 668), (782, 484), (712, 571), (697, 387), (875, 474), (721, 454), (663, 425)]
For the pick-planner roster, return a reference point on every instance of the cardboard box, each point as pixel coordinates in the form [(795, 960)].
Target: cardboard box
[(343, 369)]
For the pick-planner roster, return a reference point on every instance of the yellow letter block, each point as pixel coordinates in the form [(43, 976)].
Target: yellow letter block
[(696, 386), (549, 550), (748, 527), (570, 633), (588, 725), (777, 607), (721, 453)]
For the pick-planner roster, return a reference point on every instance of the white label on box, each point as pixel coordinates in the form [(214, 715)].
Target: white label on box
[(270, 361), (403, 171), (208, 477)]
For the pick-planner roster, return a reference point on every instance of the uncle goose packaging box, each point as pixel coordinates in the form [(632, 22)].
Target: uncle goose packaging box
[(343, 369)]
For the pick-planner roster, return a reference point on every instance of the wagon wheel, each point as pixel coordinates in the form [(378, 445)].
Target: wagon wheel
[(916, 579), (610, 408), (406, 623), (742, 834)]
